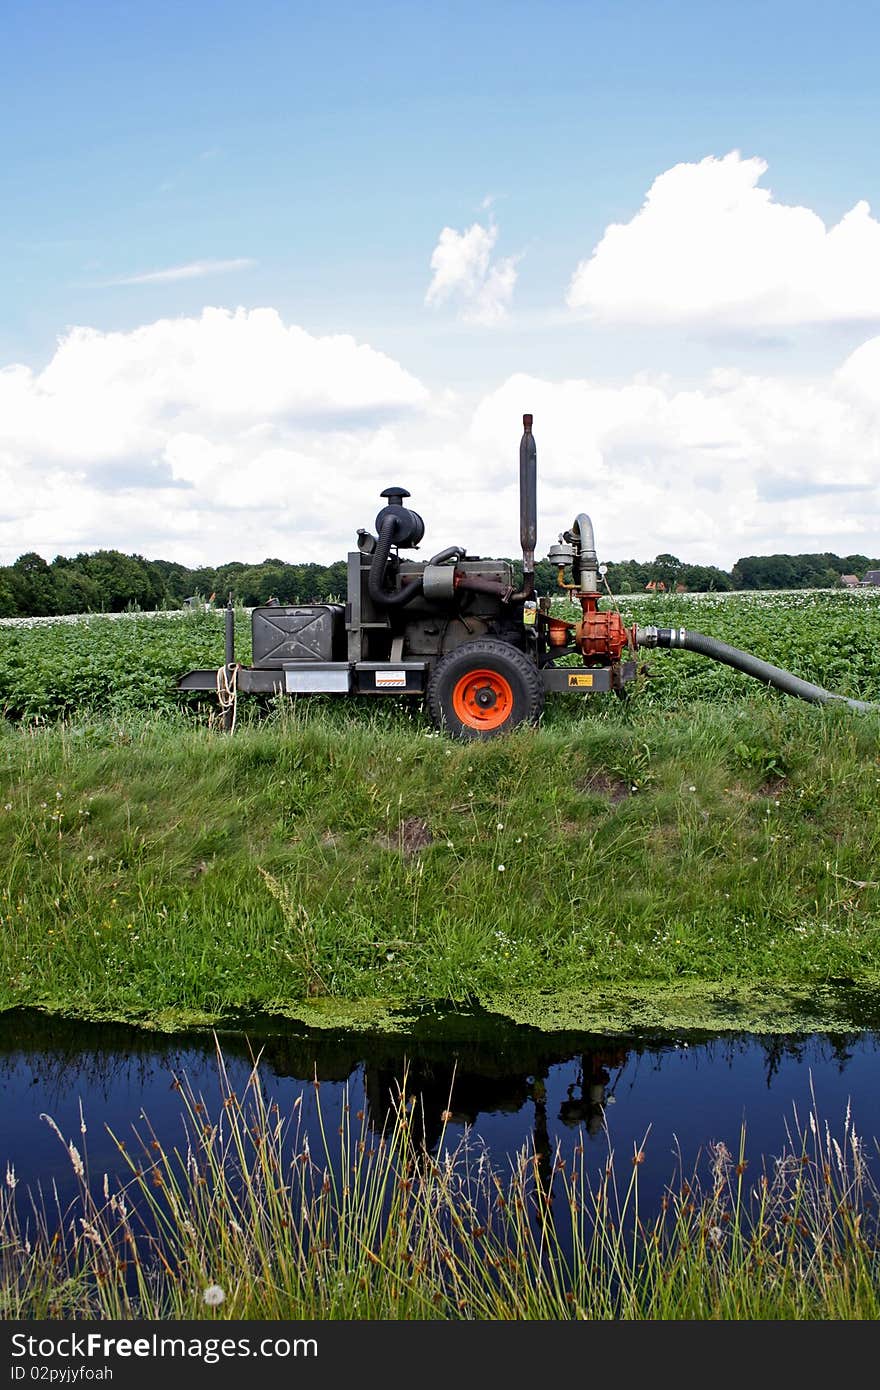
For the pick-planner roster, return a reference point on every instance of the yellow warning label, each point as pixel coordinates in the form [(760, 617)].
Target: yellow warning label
[(580, 681)]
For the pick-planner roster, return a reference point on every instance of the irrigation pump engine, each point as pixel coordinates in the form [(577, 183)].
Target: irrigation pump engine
[(480, 648), (459, 632)]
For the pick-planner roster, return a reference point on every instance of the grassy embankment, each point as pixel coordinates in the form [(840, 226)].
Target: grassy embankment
[(705, 867), (248, 1219)]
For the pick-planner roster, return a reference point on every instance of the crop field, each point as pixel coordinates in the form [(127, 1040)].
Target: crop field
[(128, 662)]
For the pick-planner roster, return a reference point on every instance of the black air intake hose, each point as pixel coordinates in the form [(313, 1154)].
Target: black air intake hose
[(388, 598), (745, 662), (444, 556)]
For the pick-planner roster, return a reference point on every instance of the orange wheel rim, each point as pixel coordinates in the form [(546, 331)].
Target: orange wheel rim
[(483, 700)]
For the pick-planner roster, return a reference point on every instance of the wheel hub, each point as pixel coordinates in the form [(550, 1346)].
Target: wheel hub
[(483, 699)]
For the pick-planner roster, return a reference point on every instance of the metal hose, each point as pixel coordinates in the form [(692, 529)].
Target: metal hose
[(747, 663), (586, 540)]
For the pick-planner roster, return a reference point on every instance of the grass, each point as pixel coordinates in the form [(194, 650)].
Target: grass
[(248, 1219), (344, 857)]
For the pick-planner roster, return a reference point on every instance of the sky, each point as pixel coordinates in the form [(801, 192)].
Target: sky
[(262, 261)]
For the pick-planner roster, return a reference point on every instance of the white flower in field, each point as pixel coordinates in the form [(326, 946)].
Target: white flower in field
[(501, 868), (499, 826), (8, 806), (692, 789), (214, 1295)]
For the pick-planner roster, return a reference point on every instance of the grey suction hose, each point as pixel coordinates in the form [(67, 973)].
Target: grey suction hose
[(388, 598), (747, 663)]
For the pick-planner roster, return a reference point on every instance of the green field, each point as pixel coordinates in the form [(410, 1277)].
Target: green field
[(702, 854), (51, 669)]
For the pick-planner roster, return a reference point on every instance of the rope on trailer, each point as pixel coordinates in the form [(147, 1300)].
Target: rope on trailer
[(227, 690)]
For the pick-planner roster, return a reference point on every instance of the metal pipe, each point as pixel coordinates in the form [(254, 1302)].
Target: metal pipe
[(480, 584), (528, 510), (747, 663), (586, 565), (528, 503), (583, 527)]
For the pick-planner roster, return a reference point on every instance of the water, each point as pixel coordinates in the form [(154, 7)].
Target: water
[(507, 1086)]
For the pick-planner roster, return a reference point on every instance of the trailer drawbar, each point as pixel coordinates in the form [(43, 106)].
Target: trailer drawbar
[(459, 633)]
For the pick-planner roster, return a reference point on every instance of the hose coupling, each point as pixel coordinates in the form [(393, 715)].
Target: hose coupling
[(661, 636)]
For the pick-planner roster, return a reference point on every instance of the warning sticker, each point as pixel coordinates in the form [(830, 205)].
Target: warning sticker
[(390, 680), (579, 682)]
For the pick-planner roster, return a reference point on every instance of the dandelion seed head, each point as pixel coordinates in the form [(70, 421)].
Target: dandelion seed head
[(214, 1295)]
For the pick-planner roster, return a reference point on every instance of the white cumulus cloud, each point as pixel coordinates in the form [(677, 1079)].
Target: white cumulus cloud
[(181, 430), (710, 246), (465, 273), (236, 436), (740, 464)]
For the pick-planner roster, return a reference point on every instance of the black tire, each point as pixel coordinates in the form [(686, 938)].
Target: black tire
[(512, 692)]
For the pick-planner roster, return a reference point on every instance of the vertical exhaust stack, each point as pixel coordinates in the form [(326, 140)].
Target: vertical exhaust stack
[(528, 505)]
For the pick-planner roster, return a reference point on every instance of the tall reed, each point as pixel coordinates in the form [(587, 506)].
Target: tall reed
[(252, 1217)]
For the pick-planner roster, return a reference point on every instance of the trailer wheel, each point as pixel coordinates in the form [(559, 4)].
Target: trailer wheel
[(484, 688)]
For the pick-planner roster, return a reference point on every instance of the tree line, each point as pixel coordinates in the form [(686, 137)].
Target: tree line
[(109, 581)]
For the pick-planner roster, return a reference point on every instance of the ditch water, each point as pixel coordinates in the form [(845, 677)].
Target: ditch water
[(505, 1086)]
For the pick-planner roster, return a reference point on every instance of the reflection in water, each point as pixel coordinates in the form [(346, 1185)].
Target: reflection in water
[(499, 1085)]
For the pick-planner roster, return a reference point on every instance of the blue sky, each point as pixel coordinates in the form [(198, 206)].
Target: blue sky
[(306, 158)]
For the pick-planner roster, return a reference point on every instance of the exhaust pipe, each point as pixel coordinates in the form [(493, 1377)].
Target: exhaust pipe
[(528, 506)]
